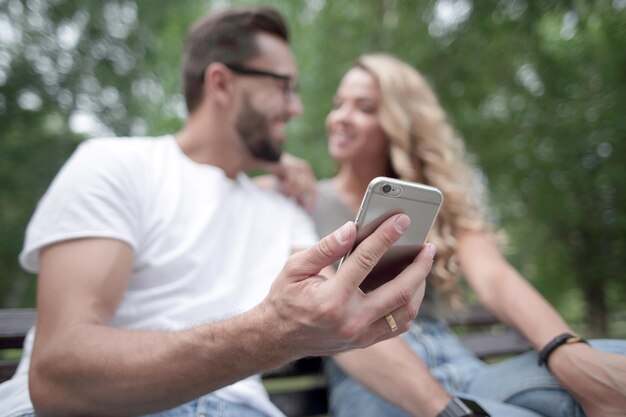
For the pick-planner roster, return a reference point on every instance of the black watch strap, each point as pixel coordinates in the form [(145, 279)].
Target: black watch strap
[(462, 407)]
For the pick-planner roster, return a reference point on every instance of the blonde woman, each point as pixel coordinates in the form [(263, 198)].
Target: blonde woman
[(386, 120)]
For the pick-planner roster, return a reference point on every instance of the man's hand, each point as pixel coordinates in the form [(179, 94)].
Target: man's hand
[(596, 379), (322, 316)]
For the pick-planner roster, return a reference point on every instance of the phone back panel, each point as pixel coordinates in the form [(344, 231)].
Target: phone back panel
[(384, 198)]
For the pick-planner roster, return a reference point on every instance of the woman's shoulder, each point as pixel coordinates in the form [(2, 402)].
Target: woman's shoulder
[(327, 195), (330, 211), (325, 185)]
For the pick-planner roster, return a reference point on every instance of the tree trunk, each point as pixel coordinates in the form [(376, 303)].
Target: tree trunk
[(597, 312)]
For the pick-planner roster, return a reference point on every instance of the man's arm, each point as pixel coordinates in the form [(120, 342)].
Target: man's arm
[(81, 365)]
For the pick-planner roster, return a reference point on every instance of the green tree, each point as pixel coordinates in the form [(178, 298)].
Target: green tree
[(549, 132), (537, 91), (69, 69), (535, 88)]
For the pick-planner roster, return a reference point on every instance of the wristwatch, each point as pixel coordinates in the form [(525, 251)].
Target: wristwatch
[(462, 407)]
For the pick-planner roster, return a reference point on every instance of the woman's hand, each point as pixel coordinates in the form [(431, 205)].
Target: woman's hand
[(597, 379), (295, 179)]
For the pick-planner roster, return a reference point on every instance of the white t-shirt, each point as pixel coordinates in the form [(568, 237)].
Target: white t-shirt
[(206, 247)]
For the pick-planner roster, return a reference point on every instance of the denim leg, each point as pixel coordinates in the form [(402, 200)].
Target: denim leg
[(348, 398), (449, 361), (520, 381)]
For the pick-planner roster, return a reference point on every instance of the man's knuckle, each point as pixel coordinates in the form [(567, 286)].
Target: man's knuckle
[(403, 327), (389, 238), (329, 311), (324, 248), (290, 266), (362, 341), (403, 296), (345, 334), (366, 258), (349, 331), (411, 311)]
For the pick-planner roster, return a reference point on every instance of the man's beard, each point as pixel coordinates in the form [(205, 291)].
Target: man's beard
[(254, 131)]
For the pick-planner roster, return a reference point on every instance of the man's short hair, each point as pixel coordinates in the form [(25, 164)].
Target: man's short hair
[(226, 36)]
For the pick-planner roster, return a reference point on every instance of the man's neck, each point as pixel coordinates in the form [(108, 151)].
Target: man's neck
[(207, 142)]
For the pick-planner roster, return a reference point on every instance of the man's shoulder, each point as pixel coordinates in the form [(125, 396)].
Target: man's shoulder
[(127, 144), (122, 151)]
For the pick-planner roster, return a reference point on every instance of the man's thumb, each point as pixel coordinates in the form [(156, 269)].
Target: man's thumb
[(325, 252)]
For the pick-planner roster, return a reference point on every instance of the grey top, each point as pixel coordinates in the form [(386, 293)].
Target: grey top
[(330, 213)]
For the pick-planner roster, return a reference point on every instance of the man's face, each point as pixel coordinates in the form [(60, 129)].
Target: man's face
[(268, 102), (254, 130)]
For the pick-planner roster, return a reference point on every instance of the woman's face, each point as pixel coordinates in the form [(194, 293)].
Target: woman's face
[(353, 125)]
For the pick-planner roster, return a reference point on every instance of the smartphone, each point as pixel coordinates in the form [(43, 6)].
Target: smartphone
[(383, 198)]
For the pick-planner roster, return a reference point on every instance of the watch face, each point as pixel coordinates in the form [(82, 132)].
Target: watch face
[(473, 405)]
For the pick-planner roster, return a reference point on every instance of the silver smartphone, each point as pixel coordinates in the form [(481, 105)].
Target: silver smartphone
[(383, 198)]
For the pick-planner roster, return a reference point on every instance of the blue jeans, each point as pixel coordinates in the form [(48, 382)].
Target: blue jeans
[(513, 388)]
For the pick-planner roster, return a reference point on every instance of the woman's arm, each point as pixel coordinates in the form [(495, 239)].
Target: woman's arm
[(503, 291), (595, 378), (293, 177), (395, 373)]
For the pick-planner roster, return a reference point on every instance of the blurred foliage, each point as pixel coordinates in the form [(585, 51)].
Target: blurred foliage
[(537, 89)]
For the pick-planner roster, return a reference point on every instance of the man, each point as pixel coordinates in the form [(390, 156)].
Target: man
[(164, 279)]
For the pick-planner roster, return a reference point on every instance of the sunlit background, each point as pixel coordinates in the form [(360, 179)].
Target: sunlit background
[(537, 89)]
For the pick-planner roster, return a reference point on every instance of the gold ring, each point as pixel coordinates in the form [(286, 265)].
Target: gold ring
[(391, 322)]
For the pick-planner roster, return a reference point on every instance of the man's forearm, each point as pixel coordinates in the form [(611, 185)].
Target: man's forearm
[(392, 371), (138, 371)]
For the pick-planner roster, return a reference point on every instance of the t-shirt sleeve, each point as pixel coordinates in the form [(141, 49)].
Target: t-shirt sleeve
[(93, 195)]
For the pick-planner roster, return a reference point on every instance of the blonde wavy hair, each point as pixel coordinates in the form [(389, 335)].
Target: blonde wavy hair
[(424, 148)]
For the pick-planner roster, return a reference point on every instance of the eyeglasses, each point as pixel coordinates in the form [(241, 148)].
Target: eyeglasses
[(288, 87)]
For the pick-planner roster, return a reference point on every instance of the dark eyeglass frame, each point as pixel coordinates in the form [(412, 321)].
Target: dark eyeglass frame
[(288, 88), (243, 70)]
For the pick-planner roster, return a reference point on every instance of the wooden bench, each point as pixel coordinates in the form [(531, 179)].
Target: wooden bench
[(299, 388)]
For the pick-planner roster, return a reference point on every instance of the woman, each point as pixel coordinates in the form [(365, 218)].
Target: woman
[(387, 121)]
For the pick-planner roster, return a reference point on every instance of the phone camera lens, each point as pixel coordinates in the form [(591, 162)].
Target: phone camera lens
[(386, 188)]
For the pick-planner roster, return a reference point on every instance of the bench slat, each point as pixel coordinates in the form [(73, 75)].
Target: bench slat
[(7, 368), (14, 324), (302, 403), (304, 366), (475, 315), (487, 345)]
